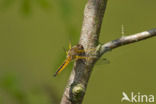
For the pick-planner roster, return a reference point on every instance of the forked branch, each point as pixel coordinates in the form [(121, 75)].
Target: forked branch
[(80, 75), (77, 84)]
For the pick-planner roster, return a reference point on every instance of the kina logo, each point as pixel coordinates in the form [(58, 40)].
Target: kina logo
[(137, 98)]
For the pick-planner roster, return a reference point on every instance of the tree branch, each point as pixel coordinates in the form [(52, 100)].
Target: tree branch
[(126, 40), (76, 87), (93, 15)]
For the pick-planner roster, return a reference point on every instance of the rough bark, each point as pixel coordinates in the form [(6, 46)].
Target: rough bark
[(76, 87), (93, 15)]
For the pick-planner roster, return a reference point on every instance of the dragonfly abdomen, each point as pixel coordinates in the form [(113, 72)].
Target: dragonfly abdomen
[(66, 62)]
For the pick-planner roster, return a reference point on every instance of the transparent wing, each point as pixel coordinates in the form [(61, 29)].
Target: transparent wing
[(102, 61)]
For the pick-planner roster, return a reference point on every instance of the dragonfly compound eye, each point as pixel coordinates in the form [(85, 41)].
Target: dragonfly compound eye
[(80, 46)]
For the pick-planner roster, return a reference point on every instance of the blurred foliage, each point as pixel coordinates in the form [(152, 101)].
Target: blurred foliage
[(66, 9), (44, 4), (32, 50), (10, 84), (26, 6), (6, 3), (66, 12), (1, 101)]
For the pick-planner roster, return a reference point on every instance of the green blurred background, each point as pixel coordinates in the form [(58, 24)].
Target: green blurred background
[(34, 32)]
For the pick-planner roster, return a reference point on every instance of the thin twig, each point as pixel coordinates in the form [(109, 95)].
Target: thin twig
[(127, 40)]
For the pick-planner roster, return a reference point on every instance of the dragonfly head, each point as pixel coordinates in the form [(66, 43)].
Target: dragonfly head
[(75, 51)]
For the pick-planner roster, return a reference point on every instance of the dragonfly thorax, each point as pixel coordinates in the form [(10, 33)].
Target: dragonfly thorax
[(75, 51)]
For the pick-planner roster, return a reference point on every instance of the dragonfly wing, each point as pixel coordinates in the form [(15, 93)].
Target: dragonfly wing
[(103, 61)]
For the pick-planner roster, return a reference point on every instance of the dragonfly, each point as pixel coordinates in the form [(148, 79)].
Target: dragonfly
[(74, 53)]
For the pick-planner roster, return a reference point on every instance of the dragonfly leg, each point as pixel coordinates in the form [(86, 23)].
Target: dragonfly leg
[(80, 57), (81, 51), (83, 58)]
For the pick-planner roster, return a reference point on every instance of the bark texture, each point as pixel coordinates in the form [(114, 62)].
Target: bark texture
[(77, 84), (93, 15)]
